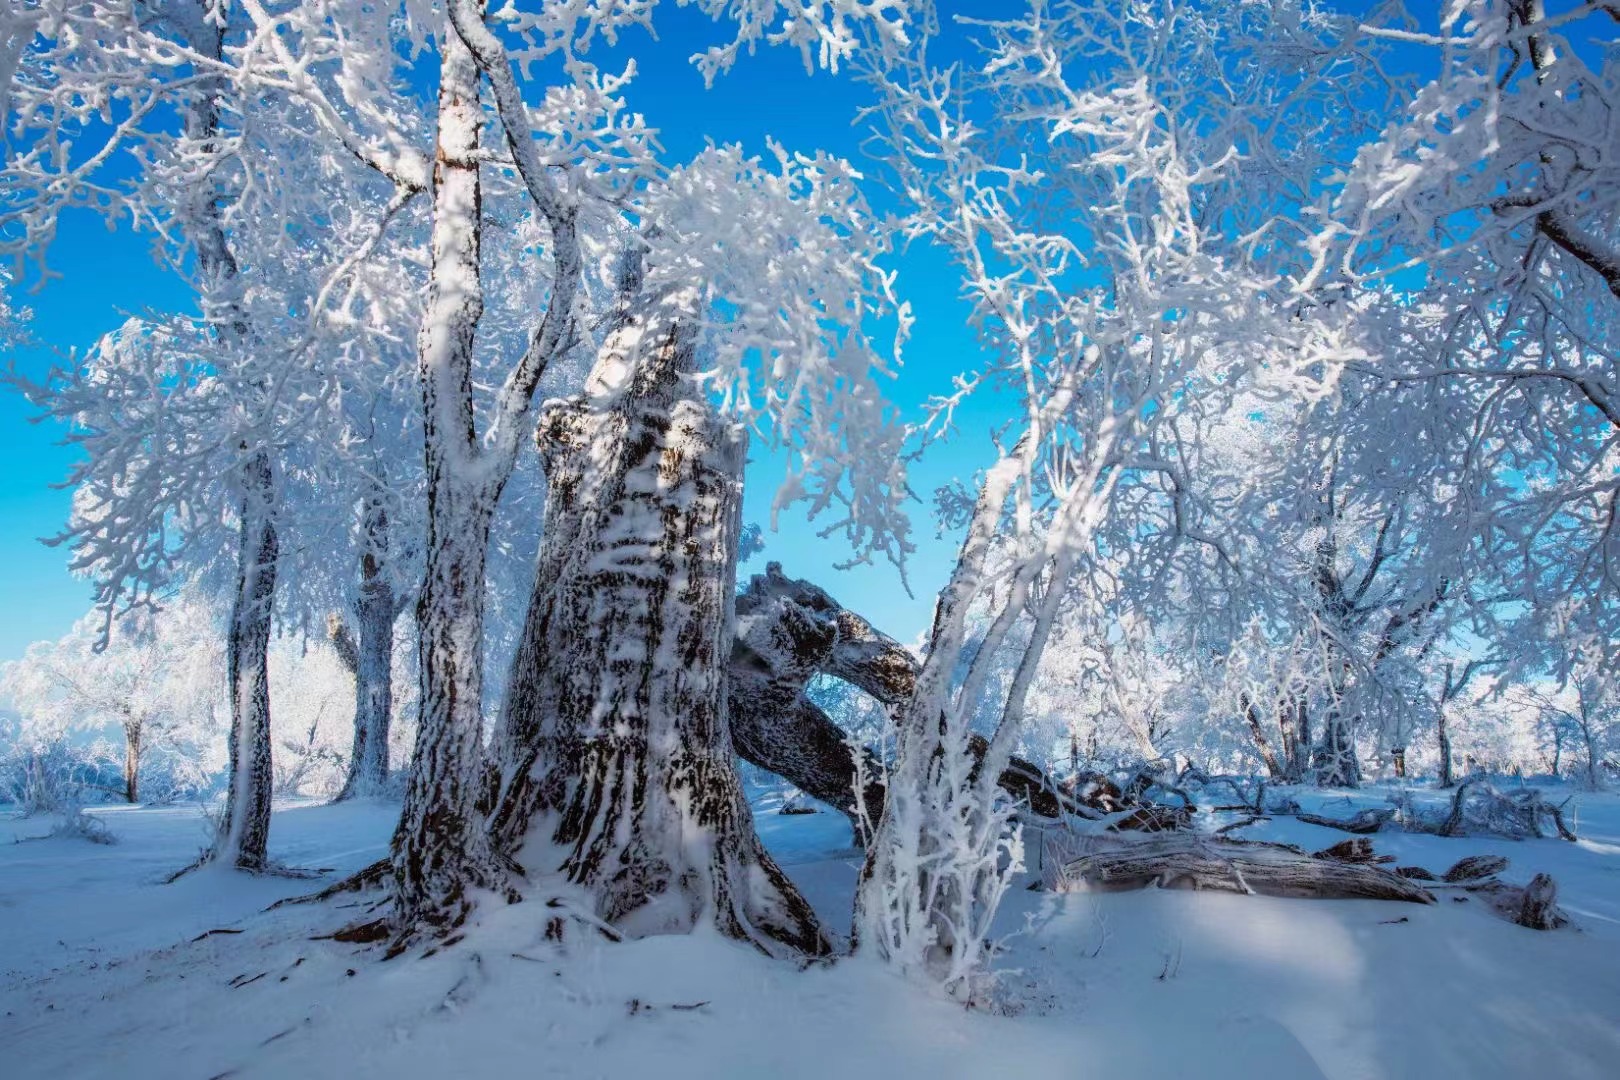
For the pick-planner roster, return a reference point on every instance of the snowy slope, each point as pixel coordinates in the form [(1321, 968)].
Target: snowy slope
[(101, 977)]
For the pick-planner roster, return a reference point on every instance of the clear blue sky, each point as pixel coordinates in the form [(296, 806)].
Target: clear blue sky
[(106, 275)]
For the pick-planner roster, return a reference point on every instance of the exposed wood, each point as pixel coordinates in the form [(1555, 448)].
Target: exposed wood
[(789, 631), (1362, 822), (1475, 868), (1479, 808), (1355, 850), (1185, 860), (1153, 818), (1538, 905)]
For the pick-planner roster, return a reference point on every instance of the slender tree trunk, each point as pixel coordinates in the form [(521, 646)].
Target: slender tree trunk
[(1295, 718), (132, 761), (630, 771), (440, 848), (1446, 779), (245, 828), (1261, 743), (245, 831), (371, 660)]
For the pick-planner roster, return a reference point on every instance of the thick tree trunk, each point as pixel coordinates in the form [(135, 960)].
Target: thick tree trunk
[(371, 661), (245, 831), (132, 761), (1334, 760), (440, 848), (615, 744)]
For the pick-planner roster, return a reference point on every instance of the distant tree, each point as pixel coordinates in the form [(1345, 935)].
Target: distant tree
[(153, 682)]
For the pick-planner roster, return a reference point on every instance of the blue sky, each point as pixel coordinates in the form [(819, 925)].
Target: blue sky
[(106, 275)]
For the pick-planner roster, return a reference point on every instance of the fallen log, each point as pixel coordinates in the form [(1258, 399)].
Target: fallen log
[(1358, 849), (1534, 906), (1187, 861), (1478, 807), (789, 631), (1150, 817), (1362, 822)]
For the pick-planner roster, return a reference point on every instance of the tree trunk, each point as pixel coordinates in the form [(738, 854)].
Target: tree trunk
[(132, 761), (1446, 779), (245, 830), (440, 848), (1335, 759), (1296, 719), (1261, 743), (371, 661), (615, 743)]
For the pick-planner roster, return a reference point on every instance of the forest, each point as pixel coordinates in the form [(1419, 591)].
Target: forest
[(812, 537)]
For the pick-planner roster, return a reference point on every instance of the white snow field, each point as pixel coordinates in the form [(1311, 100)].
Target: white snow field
[(106, 973)]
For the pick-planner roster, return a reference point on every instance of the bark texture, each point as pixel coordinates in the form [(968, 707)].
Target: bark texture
[(245, 828), (1187, 861), (245, 831), (132, 761), (370, 659), (790, 630), (615, 752), (440, 848), (1262, 744)]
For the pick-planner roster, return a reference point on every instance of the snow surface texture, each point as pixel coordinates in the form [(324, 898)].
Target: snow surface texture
[(103, 972)]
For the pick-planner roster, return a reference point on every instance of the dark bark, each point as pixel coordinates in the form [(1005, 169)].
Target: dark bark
[(1335, 760), (1475, 868), (788, 631), (371, 661), (245, 826), (1294, 721), (440, 849), (1538, 905), (1261, 743), (615, 744), (1363, 821), (245, 829), (132, 761), (1446, 779)]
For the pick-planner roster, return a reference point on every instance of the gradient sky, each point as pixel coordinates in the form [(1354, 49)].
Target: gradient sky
[(106, 275)]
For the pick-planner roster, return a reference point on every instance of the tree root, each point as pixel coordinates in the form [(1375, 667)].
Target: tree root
[(367, 878)]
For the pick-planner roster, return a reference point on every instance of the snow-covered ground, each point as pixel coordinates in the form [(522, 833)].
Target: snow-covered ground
[(105, 972)]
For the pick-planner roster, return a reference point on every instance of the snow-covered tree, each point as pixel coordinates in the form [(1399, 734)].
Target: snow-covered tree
[(156, 682), (1099, 183)]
